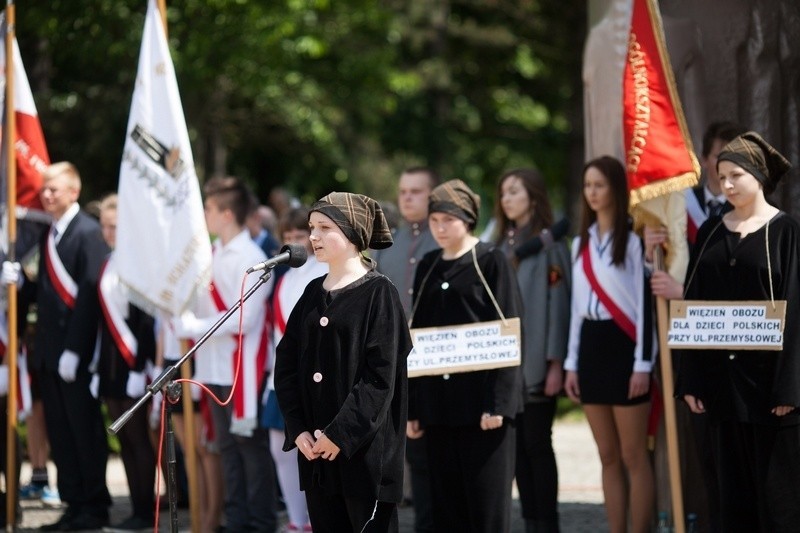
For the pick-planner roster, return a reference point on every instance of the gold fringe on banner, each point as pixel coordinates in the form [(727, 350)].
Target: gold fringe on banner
[(662, 187)]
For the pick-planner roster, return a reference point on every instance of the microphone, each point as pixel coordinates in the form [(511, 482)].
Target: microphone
[(293, 254), (545, 238)]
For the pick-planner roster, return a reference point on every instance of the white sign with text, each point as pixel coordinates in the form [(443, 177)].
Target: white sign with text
[(464, 348), (726, 325)]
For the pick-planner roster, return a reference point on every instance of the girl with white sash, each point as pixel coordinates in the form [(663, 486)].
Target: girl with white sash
[(610, 352)]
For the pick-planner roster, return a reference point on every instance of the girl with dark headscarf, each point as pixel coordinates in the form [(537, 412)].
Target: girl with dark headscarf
[(468, 417), (340, 374), (750, 397)]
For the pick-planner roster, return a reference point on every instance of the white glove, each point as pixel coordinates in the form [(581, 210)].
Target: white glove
[(187, 326), (153, 371), (136, 383), (68, 365), (11, 274), (3, 380), (94, 386), (155, 411)]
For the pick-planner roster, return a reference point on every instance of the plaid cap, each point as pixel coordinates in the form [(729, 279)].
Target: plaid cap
[(751, 152), (455, 198), (359, 217)]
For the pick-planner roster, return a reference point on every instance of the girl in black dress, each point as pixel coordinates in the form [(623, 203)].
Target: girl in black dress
[(468, 417), (340, 374), (750, 397)]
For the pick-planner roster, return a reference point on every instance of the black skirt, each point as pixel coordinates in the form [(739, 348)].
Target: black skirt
[(605, 364)]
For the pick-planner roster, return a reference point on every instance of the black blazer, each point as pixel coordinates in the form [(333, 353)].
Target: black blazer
[(82, 251)]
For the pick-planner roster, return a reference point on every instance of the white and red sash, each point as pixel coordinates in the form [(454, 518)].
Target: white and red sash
[(65, 286), (114, 303), (278, 320), (251, 374), (626, 323), (695, 215)]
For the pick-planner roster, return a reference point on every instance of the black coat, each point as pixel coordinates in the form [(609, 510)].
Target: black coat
[(745, 385), (356, 344), (82, 251), (461, 399)]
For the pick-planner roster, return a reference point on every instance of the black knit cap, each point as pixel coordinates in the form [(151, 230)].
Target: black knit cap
[(359, 217), (751, 152), (455, 198)]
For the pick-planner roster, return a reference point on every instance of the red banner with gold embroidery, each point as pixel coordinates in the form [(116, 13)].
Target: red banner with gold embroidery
[(658, 151)]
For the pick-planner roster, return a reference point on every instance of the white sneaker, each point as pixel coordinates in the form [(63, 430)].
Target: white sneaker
[(51, 496)]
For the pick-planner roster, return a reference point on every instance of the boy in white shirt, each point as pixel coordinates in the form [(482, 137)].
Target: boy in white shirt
[(248, 472)]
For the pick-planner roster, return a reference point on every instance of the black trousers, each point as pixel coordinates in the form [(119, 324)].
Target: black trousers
[(417, 457), (758, 468), (247, 470), (78, 442), (471, 472), (536, 470), (334, 513), (138, 457)]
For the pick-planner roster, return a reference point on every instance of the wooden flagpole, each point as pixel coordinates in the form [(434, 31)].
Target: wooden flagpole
[(11, 204), (189, 430), (667, 389)]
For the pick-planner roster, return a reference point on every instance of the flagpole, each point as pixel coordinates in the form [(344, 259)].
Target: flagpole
[(11, 203), (667, 390), (186, 393)]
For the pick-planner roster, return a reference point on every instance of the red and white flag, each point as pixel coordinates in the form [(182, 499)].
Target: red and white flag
[(659, 158), (31, 160), (163, 251), (30, 148), (31, 156)]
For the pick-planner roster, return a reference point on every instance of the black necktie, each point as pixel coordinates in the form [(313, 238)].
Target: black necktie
[(714, 208)]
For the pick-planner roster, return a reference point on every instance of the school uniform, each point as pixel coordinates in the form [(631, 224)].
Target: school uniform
[(71, 255), (611, 323), (127, 344), (341, 370), (756, 454), (248, 471), (471, 470), (544, 281)]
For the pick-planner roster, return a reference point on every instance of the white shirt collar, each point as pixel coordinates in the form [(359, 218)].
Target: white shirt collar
[(62, 223), (237, 242)]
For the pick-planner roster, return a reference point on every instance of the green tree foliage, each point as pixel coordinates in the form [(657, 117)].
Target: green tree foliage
[(315, 95)]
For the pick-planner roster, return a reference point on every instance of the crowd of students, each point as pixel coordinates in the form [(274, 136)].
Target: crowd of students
[(323, 403)]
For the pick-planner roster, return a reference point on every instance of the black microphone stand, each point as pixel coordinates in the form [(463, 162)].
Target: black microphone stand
[(173, 390)]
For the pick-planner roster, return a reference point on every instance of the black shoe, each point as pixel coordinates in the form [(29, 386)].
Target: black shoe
[(62, 523), (132, 523), (86, 521)]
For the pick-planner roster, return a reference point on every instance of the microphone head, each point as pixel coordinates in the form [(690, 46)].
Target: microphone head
[(298, 255)]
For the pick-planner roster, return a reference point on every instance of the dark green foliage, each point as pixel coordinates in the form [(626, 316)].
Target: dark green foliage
[(318, 95)]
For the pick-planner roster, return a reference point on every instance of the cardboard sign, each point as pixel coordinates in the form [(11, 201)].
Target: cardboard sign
[(726, 325), (465, 348)]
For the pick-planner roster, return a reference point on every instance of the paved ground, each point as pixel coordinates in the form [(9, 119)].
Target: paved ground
[(580, 493)]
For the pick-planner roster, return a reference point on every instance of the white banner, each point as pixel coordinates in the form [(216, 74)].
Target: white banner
[(163, 251)]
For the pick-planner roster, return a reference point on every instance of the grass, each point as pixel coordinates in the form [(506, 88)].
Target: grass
[(568, 411)]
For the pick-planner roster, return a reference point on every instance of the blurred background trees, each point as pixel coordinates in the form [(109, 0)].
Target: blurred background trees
[(316, 95)]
